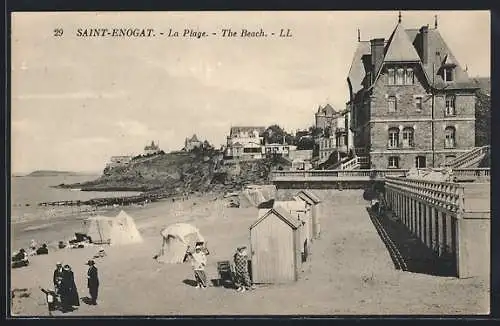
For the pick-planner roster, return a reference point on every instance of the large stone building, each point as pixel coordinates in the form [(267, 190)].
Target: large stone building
[(411, 103), (326, 116), (336, 135)]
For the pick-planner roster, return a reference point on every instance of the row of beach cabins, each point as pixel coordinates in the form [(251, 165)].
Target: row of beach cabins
[(281, 238)]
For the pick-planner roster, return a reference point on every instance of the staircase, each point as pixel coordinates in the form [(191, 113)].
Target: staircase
[(468, 159), (357, 162)]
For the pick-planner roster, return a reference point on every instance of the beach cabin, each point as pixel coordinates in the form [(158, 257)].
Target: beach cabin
[(313, 204), (298, 209), (275, 247)]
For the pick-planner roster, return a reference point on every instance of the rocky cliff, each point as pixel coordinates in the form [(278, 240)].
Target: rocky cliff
[(180, 172)]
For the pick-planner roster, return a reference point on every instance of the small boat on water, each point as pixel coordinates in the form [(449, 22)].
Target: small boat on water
[(76, 189)]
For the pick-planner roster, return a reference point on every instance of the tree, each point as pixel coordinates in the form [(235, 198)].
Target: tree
[(274, 134), (315, 131), (305, 143)]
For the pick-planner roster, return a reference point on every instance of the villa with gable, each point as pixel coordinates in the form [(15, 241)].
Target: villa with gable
[(411, 103)]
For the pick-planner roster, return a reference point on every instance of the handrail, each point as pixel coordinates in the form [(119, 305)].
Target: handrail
[(471, 172), (350, 164), (467, 156), (339, 173), (371, 172)]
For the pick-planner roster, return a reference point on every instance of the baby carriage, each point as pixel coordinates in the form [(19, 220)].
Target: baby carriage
[(53, 300), (226, 274)]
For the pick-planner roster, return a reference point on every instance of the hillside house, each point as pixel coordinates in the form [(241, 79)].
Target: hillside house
[(278, 149), (245, 142), (152, 149), (192, 143)]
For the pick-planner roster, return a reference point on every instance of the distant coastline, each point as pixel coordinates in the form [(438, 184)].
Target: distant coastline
[(54, 173)]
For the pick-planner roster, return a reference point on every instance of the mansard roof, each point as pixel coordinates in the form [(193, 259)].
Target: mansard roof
[(404, 46), (238, 129)]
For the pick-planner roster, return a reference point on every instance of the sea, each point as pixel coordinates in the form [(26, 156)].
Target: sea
[(28, 191)]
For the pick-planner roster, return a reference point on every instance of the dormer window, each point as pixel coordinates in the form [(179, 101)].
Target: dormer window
[(448, 74)]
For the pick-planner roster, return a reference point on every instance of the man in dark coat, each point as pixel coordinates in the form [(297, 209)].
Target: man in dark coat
[(58, 275), (92, 281), (69, 293)]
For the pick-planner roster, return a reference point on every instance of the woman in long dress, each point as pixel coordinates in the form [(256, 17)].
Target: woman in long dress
[(69, 295)]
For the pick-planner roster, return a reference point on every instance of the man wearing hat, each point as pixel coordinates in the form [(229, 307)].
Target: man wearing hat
[(242, 277), (92, 281), (58, 276)]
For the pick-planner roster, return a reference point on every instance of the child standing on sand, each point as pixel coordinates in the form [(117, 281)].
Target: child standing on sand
[(199, 261)]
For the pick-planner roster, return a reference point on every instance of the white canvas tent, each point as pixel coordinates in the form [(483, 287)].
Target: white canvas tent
[(176, 239), (98, 228), (117, 230), (257, 194), (124, 230)]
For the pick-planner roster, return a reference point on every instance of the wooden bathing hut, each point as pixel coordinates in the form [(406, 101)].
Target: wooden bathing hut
[(313, 204), (298, 210), (275, 247)]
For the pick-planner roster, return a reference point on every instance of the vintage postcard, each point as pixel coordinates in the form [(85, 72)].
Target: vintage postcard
[(250, 163)]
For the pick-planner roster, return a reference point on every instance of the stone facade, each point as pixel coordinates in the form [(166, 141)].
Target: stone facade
[(412, 121)]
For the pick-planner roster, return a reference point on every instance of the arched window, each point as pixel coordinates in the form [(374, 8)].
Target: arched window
[(450, 105), (392, 102), (408, 137), (393, 138), (449, 137)]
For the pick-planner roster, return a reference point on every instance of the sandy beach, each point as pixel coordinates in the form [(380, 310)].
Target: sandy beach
[(350, 270)]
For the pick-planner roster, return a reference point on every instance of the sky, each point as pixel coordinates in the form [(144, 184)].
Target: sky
[(75, 102)]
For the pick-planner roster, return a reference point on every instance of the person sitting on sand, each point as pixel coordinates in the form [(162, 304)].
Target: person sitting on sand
[(199, 261), (20, 256), (242, 276), (43, 250), (33, 245)]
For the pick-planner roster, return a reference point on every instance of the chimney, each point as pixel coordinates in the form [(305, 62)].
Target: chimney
[(377, 54), (424, 33)]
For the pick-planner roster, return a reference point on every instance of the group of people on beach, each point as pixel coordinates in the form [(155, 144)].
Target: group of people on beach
[(20, 258), (241, 275), (65, 287)]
